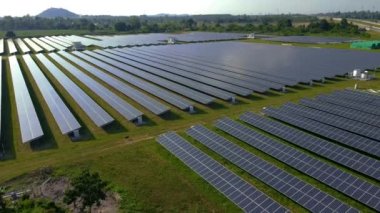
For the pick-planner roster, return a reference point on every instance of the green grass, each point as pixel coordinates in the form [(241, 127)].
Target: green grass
[(147, 176)]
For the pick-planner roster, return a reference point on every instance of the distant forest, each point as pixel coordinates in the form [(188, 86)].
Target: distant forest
[(355, 15), (277, 24)]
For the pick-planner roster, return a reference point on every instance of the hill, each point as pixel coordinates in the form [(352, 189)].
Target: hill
[(57, 12)]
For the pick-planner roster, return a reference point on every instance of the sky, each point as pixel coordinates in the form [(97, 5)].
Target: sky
[(153, 7)]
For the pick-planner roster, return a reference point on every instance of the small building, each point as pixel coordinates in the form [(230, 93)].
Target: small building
[(172, 40), (78, 46), (358, 74)]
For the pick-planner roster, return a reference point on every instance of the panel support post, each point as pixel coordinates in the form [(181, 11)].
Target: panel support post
[(311, 83), (233, 100), (323, 80), (191, 109), (139, 120), (283, 89), (76, 133)]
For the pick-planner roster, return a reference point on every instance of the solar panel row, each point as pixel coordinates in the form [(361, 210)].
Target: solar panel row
[(56, 41), (362, 191), (30, 126), (88, 105), (342, 111), (33, 45), (223, 82), (1, 90), (299, 191), (346, 138), (144, 85), (185, 91), (344, 156), (202, 87), (337, 100), (43, 45), (243, 194), (244, 80), (22, 45), (11, 46), (144, 100), (121, 106), (52, 44), (361, 97), (65, 120), (333, 120), (216, 65)]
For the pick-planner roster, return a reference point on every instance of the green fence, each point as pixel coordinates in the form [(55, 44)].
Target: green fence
[(366, 44)]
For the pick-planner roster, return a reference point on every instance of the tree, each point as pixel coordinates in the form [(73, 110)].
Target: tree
[(88, 189), (91, 27), (120, 26), (10, 34)]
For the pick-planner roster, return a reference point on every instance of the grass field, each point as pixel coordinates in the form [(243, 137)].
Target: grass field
[(145, 174)]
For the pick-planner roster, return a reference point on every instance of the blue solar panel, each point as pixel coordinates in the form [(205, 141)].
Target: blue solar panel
[(30, 126), (362, 191), (299, 191), (344, 156), (243, 194)]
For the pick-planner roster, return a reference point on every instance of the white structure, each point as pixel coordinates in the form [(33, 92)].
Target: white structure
[(360, 75), (172, 40), (251, 35), (78, 46)]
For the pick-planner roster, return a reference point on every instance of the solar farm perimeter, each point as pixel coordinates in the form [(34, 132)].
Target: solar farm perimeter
[(105, 109)]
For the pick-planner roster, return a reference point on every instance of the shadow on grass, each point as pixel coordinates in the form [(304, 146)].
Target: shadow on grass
[(114, 128), (217, 106), (7, 148), (148, 122), (171, 116), (255, 97)]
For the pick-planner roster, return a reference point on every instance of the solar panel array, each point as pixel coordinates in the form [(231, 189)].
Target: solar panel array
[(309, 39), (30, 126), (23, 47), (43, 45), (243, 194), (344, 156), (120, 105), (300, 64), (1, 90), (201, 86), (96, 113), (11, 46), (185, 91), (65, 120), (350, 185), (116, 102), (53, 44), (299, 191), (33, 45), (144, 85)]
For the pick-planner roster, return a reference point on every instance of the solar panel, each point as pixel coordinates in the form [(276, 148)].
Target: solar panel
[(121, 106), (1, 46), (346, 138), (22, 45), (341, 181), (309, 39), (348, 103), (11, 46), (53, 44), (57, 41), (88, 105), (65, 120), (342, 111), (33, 45), (185, 91), (299, 191), (224, 95), (144, 100), (333, 120), (144, 85), (215, 65), (359, 97), (223, 82), (243, 194), (43, 45), (344, 156), (30, 126), (245, 80)]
